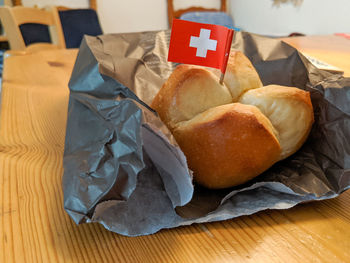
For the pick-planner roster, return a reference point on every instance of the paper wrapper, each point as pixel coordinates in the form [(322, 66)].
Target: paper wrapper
[(123, 169)]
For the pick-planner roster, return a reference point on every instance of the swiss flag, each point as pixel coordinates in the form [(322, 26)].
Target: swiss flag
[(200, 44)]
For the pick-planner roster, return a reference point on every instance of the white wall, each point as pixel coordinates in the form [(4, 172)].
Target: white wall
[(132, 15), (69, 3), (256, 16), (312, 17), (141, 15), (129, 15)]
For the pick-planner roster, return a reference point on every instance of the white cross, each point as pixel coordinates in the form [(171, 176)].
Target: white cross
[(203, 43)]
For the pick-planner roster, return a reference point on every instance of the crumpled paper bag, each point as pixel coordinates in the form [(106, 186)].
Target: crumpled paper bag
[(123, 168)]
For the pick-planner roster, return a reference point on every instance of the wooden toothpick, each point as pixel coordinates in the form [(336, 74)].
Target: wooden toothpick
[(222, 78)]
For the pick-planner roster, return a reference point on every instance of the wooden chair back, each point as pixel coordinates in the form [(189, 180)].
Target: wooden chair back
[(8, 2), (13, 17), (3, 38), (92, 3), (77, 22), (172, 13)]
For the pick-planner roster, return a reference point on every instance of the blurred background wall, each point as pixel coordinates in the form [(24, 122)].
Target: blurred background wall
[(312, 17), (256, 16)]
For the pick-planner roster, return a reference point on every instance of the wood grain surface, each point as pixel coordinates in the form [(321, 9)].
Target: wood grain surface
[(35, 228), (334, 50)]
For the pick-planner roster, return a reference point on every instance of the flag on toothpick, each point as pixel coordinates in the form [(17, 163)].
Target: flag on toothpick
[(200, 44)]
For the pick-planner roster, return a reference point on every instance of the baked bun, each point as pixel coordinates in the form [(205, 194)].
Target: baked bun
[(289, 111), (240, 75), (233, 132)]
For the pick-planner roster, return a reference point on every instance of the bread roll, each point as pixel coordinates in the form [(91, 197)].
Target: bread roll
[(188, 91), (288, 109), (233, 132), (240, 75), (231, 139)]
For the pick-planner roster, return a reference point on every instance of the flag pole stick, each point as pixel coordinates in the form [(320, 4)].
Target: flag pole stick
[(227, 54), (222, 78)]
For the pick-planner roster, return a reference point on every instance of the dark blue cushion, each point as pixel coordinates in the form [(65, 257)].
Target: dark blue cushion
[(215, 18), (34, 33), (79, 22), (1, 63)]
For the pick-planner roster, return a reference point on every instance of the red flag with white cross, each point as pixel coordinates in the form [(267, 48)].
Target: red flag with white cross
[(200, 44)]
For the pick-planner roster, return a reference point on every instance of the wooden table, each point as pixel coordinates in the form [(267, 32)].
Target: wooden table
[(35, 228), (334, 50)]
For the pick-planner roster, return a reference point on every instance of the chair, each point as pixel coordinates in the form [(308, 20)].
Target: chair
[(3, 38), (172, 13), (216, 18), (75, 23), (78, 22), (92, 3), (30, 28)]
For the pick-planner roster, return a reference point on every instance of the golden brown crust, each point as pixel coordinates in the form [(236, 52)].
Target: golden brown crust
[(188, 91), (278, 91), (232, 145), (228, 143), (290, 111), (240, 75)]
